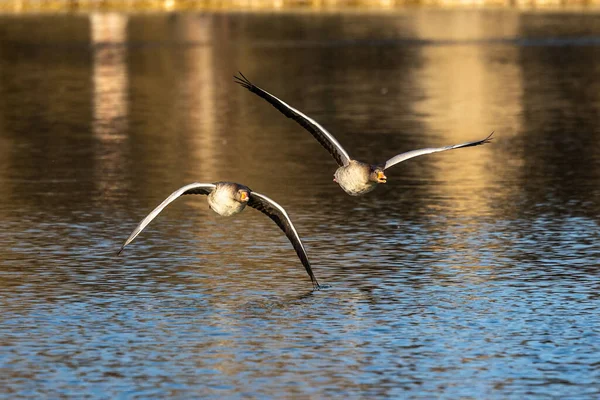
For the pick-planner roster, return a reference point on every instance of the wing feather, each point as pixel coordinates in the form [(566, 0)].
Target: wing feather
[(274, 211), (415, 153), (194, 188), (325, 138)]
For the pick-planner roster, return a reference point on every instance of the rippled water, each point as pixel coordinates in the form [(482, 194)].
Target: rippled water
[(471, 274)]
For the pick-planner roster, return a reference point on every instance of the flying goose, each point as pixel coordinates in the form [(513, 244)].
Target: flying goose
[(354, 177), (226, 199)]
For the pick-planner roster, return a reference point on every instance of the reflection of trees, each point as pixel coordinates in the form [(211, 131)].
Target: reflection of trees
[(467, 100), (44, 83), (179, 137), (110, 101), (561, 106), (5, 143), (468, 91)]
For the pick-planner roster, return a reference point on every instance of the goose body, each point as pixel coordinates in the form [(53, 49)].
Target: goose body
[(222, 199), (354, 178)]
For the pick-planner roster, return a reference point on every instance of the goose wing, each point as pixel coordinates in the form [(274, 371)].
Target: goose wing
[(325, 138), (194, 188), (415, 153), (274, 211)]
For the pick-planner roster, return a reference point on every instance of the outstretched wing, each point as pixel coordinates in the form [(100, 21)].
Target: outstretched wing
[(194, 188), (274, 211), (415, 153), (325, 138)]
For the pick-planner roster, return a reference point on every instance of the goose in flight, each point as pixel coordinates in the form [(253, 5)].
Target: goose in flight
[(226, 199), (353, 176)]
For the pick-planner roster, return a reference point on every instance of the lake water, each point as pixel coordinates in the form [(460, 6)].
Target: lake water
[(472, 273)]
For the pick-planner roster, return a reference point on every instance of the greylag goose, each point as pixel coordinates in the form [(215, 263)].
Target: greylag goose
[(354, 177), (226, 199)]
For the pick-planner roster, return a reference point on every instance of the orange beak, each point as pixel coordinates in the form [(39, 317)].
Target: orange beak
[(244, 196), (381, 178)]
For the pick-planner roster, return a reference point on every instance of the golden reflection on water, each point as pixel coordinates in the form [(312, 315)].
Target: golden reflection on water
[(110, 98), (199, 83), (110, 77), (462, 103)]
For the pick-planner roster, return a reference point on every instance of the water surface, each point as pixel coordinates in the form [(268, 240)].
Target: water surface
[(471, 274)]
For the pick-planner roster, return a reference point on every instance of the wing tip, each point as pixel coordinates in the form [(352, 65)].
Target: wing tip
[(123, 246), (243, 81), (488, 139)]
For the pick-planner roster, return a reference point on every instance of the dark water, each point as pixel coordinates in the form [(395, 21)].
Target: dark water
[(471, 274)]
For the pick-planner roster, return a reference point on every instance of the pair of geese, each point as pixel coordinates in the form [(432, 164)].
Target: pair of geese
[(354, 177)]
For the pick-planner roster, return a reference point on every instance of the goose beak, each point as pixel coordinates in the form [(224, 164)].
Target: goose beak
[(381, 178), (244, 196)]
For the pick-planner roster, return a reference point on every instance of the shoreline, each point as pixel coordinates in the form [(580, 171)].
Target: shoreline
[(134, 6)]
